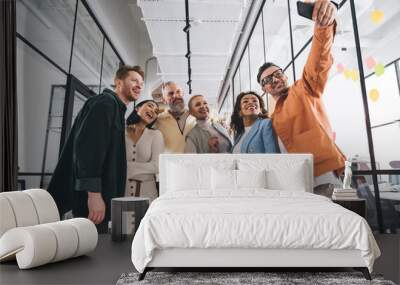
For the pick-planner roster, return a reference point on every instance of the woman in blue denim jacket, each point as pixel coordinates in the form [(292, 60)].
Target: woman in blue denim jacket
[(252, 129)]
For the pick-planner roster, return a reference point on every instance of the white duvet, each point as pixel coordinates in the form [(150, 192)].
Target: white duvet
[(253, 218)]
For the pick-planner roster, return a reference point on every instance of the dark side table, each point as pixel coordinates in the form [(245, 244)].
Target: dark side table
[(126, 214), (358, 206)]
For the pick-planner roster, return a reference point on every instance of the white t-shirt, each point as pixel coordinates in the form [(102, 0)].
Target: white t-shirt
[(236, 149), (328, 177)]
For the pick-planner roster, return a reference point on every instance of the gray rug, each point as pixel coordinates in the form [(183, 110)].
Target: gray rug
[(229, 278)]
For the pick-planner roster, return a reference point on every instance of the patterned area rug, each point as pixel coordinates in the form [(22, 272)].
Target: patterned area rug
[(230, 278)]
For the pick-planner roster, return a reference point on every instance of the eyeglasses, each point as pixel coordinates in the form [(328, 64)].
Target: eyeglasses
[(138, 82), (268, 79)]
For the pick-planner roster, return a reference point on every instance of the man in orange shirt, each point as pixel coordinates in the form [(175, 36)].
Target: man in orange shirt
[(299, 118)]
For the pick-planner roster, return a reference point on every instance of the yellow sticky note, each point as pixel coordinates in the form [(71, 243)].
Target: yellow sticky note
[(347, 73), (379, 69), (354, 75), (374, 95), (376, 16)]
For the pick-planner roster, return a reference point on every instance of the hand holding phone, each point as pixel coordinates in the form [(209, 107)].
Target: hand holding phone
[(305, 9), (323, 12)]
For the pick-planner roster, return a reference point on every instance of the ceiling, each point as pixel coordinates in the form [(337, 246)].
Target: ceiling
[(213, 33)]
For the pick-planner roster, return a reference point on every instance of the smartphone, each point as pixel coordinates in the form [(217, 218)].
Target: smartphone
[(305, 9)]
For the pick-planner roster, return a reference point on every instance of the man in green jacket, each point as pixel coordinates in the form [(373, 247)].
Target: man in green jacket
[(92, 166)]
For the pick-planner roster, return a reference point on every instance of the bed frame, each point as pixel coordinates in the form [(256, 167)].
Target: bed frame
[(246, 258), (242, 259)]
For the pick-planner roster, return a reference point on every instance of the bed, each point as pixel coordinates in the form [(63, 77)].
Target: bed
[(247, 210)]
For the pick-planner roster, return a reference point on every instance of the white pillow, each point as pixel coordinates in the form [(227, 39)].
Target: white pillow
[(226, 179), (223, 179), (282, 174), (183, 177), (251, 178), (293, 179)]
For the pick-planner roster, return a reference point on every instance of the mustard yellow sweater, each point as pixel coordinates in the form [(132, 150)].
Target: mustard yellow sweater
[(174, 139)]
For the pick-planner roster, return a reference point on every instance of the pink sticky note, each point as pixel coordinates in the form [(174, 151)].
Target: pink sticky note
[(340, 67), (370, 62)]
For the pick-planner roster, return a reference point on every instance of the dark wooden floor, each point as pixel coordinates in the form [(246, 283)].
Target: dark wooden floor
[(110, 260), (102, 266)]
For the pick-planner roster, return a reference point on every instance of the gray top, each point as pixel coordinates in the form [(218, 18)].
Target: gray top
[(197, 138)]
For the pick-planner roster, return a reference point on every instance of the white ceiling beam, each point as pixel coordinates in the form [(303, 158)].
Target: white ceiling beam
[(193, 20), (185, 74), (193, 54), (226, 2)]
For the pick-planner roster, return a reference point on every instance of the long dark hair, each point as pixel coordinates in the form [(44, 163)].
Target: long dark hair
[(134, 117), (237, 125)]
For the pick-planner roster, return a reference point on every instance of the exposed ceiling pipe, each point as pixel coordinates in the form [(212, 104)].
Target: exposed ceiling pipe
[(186, 29)]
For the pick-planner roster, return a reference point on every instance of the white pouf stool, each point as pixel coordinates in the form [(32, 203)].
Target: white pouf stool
[(31, 232)]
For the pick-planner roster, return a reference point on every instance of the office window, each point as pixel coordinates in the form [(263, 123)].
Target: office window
[(226, 110), (40, 92), (256, 50), (237, 88), (384, 106), (277, 34), (302, 29), (380, 41), (87, 50), (48, 25), (111, 63), (245, 71), (365, 190)]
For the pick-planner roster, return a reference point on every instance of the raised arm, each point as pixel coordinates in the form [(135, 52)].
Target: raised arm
[(319, 62)]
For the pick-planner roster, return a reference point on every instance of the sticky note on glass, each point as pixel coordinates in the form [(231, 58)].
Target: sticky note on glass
[(354, 75), (340, 67), (379, 69), (376, 16), (370, 62), (347, 73), (374, 95)]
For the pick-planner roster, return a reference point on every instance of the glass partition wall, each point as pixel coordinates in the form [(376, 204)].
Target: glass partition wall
[(362, 96), (63, 57)]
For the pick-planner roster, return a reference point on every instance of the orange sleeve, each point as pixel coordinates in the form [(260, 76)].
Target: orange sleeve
[(319, 62)]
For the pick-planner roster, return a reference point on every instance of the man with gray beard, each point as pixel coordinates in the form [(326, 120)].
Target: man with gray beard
[(175, 122)]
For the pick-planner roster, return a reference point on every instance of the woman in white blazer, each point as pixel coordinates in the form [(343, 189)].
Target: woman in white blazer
[(143, 147)]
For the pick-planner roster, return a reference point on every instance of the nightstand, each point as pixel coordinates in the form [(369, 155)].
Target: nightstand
[(358, 206), (126, 215)]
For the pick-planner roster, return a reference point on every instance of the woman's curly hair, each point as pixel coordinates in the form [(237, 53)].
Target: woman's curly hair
[(237, 125)]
